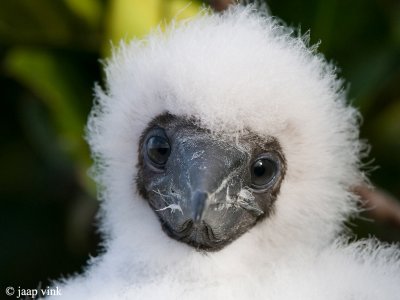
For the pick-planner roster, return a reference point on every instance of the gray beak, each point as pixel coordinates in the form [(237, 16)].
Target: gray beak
[(204, 176)]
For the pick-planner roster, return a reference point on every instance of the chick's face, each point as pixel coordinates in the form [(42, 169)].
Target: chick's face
[(207, 189)]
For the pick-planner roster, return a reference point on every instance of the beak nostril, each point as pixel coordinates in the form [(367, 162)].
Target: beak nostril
[(198, 204)]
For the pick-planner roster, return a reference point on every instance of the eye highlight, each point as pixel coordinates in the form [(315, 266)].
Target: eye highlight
[(263, 172), (158, 150)]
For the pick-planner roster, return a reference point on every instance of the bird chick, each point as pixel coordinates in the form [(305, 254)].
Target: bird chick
[(226, 151)]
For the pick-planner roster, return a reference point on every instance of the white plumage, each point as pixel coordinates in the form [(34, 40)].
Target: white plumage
[(234, 71)]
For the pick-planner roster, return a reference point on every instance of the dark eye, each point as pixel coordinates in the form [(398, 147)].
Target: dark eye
[(263, 172), (158, 150)]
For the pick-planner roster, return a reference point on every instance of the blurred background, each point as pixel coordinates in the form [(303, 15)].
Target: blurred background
[(50, 58)]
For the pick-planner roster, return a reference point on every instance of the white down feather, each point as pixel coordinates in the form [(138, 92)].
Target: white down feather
[(232, 71)]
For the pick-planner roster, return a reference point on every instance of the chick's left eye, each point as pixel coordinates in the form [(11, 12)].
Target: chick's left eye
[(263, 171), (158, 150)]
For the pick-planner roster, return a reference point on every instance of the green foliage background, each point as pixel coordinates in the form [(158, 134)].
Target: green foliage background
[(50, 55)]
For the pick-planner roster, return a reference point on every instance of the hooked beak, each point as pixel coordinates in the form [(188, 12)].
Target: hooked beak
[(198, 196), (204, 180)]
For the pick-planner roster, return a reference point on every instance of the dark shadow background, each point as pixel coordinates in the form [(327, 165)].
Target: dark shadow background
[(49, 61)]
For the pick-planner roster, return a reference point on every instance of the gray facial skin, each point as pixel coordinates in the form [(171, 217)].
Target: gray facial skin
[(207, 189)]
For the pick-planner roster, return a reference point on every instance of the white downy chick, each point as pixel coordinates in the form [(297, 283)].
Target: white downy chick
[(226, 152)]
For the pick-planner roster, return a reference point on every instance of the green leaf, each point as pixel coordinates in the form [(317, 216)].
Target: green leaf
[(88, 10), (129, 19)]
